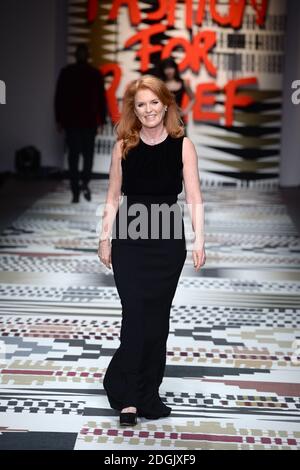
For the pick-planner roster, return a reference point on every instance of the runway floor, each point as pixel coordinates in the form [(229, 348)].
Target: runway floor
[(233, 361)]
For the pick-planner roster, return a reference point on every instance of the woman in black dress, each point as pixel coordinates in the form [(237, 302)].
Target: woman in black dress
[(169, 73), (150, 160)]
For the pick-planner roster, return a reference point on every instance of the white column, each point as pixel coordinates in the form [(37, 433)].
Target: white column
[(290, 134)]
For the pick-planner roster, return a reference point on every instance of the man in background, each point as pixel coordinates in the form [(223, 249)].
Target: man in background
[(80, 110)]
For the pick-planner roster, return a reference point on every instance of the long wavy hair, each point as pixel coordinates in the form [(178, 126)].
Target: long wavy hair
[(164, 64), (128, 126)]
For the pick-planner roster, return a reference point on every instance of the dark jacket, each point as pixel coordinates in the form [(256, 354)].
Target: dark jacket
[(80, 97)]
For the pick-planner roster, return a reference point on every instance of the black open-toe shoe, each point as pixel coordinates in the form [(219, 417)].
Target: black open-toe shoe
[(128, 418)]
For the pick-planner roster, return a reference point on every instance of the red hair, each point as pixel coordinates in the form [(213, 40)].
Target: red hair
[(128, 126)]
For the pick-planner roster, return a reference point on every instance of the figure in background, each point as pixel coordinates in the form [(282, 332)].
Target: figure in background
[(168, 72), (80, 110)]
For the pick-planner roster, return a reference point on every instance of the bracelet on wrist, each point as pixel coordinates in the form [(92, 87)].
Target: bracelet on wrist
[(104, 240)]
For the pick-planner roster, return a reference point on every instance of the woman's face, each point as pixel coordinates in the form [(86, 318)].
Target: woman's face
[(148, 108), (169, 72)]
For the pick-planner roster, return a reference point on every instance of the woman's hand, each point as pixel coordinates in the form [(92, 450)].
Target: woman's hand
[(104, 252), (199, 257)]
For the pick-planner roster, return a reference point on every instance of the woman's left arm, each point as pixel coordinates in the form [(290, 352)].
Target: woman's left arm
[(189, 91), (194, 198), (191, 96)]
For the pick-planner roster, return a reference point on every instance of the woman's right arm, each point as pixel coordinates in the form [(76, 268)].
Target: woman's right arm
[(113, 192)]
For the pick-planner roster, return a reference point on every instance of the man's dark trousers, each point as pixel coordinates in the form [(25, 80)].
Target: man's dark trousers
[(80, 141)]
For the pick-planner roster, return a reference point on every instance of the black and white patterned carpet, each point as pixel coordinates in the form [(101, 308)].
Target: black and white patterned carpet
[(233, 362)]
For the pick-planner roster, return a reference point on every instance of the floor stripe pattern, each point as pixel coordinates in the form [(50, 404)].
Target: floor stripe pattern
[(233, 359)]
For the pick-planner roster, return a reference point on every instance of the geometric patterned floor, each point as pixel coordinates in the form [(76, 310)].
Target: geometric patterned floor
[(233, 359)]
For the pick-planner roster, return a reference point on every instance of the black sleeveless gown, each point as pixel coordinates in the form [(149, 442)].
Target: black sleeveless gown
[(178, 94), (146, 273)]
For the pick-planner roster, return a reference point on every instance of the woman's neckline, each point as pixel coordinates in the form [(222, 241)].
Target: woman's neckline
[(154, 145)]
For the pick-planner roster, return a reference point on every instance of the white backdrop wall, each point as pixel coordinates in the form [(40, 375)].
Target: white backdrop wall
[(290, 138), (32, 49)]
